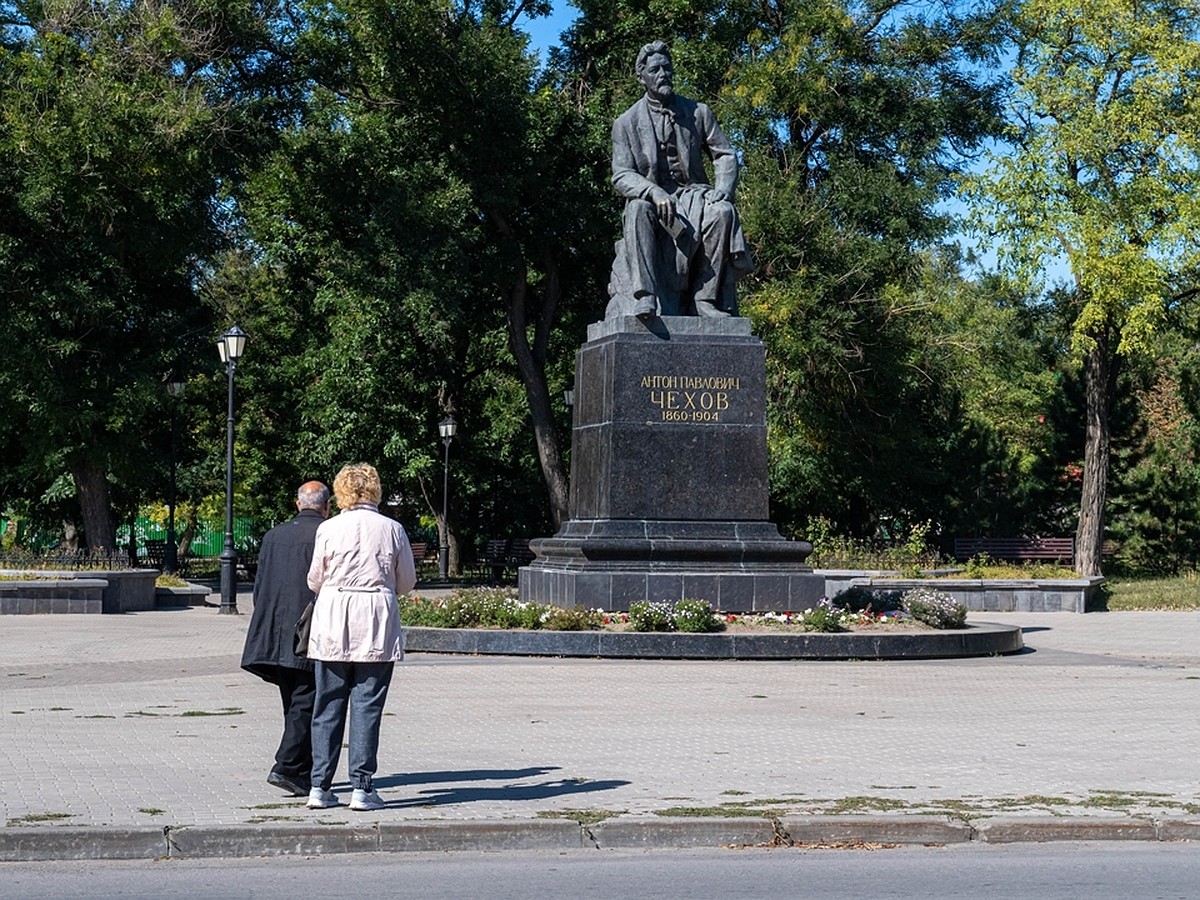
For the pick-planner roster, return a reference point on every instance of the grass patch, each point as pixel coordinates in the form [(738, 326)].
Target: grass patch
[(864, 804), (225, 711), (38, 818), (299, 801), (582, 816), (262, 820), (712, 812), (1130, 594), (1105, 799)]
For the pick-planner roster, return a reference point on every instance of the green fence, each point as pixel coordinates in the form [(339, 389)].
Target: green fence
[(208, 539)]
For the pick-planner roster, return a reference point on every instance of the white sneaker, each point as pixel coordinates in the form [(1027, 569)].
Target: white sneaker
[(319, 799), (366, 800)]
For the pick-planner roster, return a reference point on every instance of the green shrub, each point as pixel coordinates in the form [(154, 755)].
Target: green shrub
[(910, 553), (650, 616), (577, 618), (824, 617), (424, 612), (696, 617), (473, 608), (934, 608), (974, 566)]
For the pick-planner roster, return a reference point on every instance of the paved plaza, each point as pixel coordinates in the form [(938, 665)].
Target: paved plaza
[(146, 720)]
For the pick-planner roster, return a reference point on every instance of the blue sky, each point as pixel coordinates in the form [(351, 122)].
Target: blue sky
[(544, 33)]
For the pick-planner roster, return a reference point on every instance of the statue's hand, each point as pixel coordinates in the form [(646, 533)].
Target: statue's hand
[(715, 195), (665, 204)]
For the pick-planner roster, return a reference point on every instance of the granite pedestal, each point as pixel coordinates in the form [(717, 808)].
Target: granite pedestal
[(669, 476)]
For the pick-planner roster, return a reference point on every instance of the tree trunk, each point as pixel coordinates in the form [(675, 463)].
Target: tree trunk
[(91, 486), (447, 537), (1089, 539), (538, 396), (189, 532), (531, 367)]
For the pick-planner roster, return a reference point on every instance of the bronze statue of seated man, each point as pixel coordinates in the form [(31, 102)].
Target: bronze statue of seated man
[(682, 250)]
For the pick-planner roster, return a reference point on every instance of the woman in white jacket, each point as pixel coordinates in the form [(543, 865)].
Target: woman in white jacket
[(361, 562)]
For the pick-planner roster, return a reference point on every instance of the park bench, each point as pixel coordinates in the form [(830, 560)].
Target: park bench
[(1019, 549), (247, 564), (502, 556), (156, 552), (425, 558)]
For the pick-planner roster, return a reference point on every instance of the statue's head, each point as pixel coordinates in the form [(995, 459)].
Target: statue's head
[(654, 70)]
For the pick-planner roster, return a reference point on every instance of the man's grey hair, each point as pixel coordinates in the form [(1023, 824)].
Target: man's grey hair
[(309, 497), (648, 51)]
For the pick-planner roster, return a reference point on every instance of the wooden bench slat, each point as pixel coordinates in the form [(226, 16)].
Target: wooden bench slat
[(1045, 548)]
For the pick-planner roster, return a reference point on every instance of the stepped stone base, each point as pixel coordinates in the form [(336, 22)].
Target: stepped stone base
[(669, 476), (737, 567)]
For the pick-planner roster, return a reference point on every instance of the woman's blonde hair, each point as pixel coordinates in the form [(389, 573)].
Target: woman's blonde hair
[(357, 483)]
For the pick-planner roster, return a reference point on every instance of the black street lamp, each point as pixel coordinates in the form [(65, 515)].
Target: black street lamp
[(446, 428), (170, 557), (230, 346)]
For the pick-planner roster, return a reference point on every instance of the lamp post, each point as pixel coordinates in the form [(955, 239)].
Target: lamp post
[(170, 558), (230, 347), (446, 428)]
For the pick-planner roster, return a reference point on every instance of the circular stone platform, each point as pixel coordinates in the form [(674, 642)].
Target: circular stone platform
[(979, 639)]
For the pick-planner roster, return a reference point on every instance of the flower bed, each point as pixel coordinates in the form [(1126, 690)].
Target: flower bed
[(861, 610)]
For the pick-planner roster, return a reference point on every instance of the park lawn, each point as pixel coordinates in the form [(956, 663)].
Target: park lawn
[(1178, 592)]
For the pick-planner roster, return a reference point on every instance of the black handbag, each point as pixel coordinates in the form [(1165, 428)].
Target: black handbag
[(303, 628)]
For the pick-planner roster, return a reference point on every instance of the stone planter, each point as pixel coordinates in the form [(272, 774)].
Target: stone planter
[(188, 595), (131, 590), (979, 595), (42, 596)]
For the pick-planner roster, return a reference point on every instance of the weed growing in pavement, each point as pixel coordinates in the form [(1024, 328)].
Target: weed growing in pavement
[(582, 816), (224, 711), (38, 819), (263, 820)]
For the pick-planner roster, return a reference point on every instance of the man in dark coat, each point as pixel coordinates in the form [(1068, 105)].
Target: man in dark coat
[(280, 594)]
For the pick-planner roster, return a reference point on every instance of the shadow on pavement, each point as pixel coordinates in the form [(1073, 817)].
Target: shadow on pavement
[(391, 781), (508, 793)]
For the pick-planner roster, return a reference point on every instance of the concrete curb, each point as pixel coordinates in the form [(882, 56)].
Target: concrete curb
[(645, 832), (978, 639)]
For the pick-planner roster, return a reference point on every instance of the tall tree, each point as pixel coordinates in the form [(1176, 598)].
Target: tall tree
[(855, 118), (430, 206), (118, 123), (1103, 171)]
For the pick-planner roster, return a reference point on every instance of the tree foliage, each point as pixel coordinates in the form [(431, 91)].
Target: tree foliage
[(1104, 172), (412, 220), (118, 125)]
